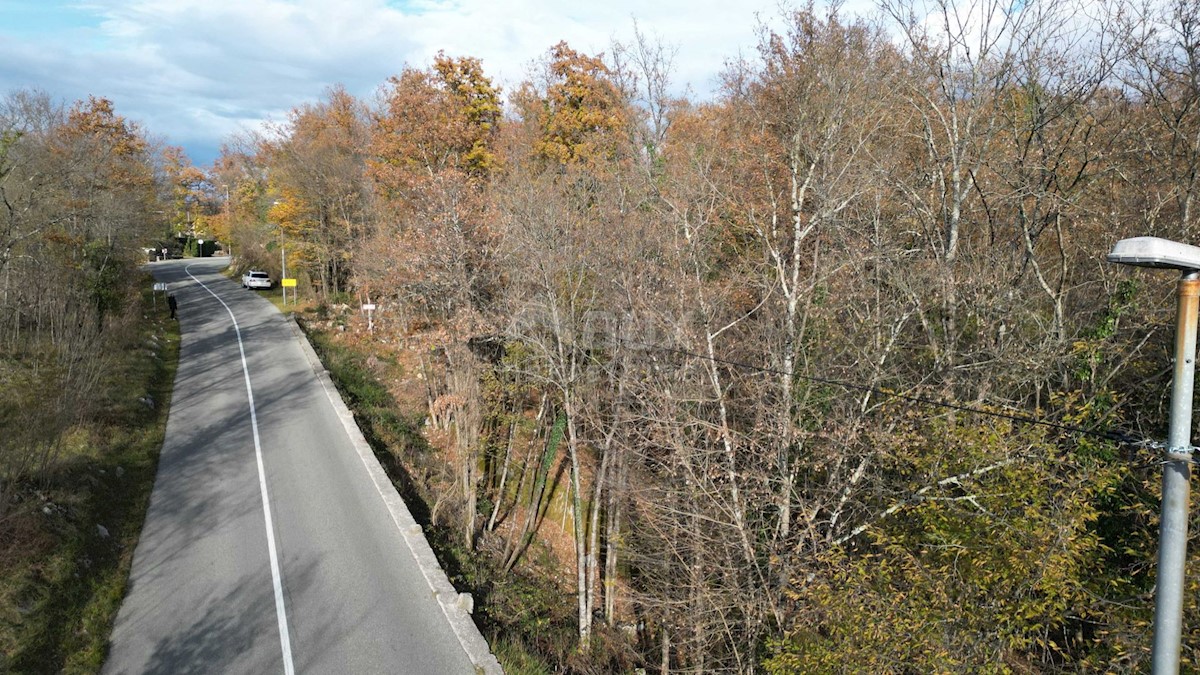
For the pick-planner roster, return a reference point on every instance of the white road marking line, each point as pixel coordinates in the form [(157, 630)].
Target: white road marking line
[(276, 577)]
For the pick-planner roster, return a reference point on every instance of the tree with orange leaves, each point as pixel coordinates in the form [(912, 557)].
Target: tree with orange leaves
[(433, 150), (317, 166), (432, 155), (187, 185), (433, 121), (578, 109)]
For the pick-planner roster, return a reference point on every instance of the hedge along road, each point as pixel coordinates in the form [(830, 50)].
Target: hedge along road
[(270, 544)]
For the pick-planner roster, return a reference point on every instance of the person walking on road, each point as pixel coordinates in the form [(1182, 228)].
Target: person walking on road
[(172, 304)]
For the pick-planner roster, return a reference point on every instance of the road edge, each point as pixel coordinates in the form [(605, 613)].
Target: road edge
[(456, 606)]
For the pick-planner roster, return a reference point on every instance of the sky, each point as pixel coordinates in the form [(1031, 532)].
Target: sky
[(195, 72)]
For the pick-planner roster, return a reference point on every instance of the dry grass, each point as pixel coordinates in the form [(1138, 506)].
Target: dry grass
[(67, 542)]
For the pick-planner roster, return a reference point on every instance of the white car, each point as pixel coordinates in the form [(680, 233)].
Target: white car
[(256, 279)]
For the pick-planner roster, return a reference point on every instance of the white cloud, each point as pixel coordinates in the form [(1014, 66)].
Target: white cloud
[(198, 70)]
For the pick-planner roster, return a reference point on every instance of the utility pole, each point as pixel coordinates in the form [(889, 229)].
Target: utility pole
[(1176, 481), (1176, 487), (282, 264)]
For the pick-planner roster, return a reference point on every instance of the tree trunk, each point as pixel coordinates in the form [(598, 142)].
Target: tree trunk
[(581, 552), (499, 498), (535, 497), (593, 553), (612, 538)]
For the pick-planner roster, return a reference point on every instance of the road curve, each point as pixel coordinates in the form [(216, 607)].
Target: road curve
[(255, 458)]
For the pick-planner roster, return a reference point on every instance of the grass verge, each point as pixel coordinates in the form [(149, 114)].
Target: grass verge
[(67, 544)]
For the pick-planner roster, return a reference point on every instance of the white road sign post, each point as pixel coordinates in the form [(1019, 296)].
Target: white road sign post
[(158, 286)]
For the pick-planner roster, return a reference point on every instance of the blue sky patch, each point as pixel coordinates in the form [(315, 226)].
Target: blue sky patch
[(36, 18)]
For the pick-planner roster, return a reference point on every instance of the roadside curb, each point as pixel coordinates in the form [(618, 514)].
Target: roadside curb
[(456, 606)]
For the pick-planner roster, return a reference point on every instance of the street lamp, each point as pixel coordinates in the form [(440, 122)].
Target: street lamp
[(228, 220), (282, 263), (1172, 532), (282, 257)]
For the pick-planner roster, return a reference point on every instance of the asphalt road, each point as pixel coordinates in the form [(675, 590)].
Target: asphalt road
[(267, 546)]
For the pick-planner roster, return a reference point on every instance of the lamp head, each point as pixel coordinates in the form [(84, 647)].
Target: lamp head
[(1156, 252)]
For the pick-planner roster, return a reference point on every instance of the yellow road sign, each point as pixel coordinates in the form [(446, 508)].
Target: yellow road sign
[(288, 282)]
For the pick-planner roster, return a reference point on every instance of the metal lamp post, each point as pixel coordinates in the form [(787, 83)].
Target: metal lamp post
[(282, 263), (228, 220), (282, 256), (1172, 533)]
